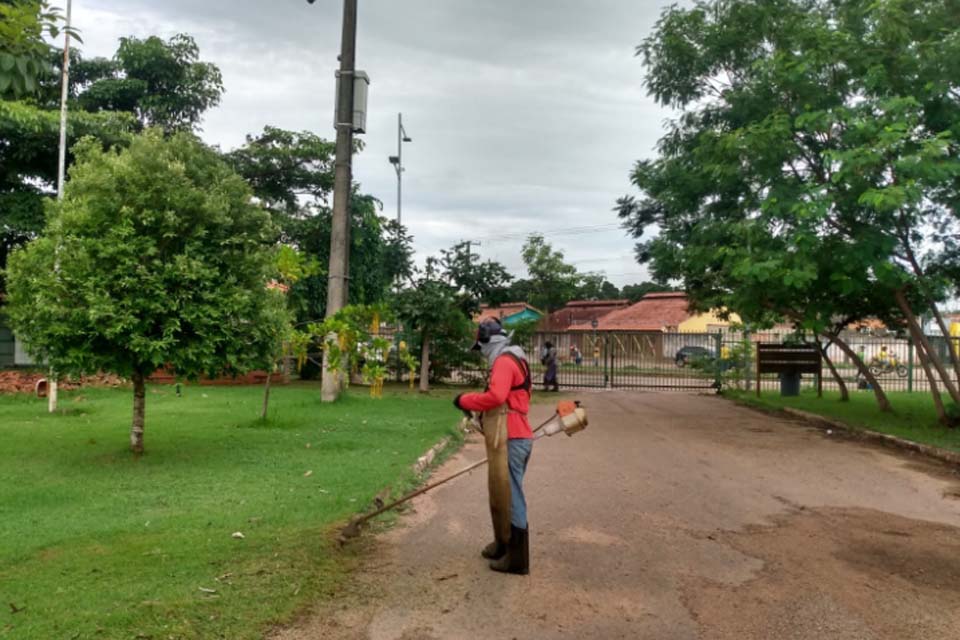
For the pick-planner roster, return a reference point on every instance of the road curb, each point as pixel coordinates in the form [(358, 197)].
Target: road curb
[(424, 461), (943, 455)]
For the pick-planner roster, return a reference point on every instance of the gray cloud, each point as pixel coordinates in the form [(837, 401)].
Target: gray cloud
[(526, 116)]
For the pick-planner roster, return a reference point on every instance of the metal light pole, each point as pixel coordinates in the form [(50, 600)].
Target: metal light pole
[(397, 162), (61, 166)]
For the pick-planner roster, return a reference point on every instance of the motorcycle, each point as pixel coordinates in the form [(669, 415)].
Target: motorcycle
[(883, 367)]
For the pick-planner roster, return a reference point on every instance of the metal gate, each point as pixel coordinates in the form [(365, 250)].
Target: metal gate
[(632, 360)]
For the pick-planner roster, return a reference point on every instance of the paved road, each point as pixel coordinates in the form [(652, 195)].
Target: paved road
[(675, 517)]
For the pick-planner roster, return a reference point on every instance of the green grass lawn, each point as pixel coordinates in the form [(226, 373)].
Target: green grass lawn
[(913, 416), (95, 543)]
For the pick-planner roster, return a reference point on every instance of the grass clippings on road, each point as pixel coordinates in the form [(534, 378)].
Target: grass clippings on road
[(913, 416), (95, 543)]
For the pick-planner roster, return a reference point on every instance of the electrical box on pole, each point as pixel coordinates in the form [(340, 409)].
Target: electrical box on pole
[(361, 86)]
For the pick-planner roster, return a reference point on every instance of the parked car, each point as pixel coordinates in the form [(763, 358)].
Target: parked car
[(690, 353)]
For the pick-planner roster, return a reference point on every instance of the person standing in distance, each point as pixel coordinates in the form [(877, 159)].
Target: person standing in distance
[(548, 358)]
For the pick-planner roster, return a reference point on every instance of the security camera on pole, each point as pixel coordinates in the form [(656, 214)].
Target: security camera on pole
[(350, 118)]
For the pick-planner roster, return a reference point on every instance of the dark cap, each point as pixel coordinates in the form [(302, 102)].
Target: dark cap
[(487, 329)]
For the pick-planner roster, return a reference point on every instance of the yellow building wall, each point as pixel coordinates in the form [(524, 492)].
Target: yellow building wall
[(706, 321)]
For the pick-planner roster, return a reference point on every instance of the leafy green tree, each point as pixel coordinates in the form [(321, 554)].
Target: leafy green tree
[(595, 286), (554, 282), (163, 82), (148, 82), (24, 52), (815, 150), (633, 292), (28, 162), (155, 258), (292, 175), (290, 172), (430, 313), (438, 306), (520, 290), (476, 282)]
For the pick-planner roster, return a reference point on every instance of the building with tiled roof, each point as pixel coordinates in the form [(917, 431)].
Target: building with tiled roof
[(661, 312), (581, 312), (508, 313)]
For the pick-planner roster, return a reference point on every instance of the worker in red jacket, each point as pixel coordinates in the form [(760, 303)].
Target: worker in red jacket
[(509, 441)]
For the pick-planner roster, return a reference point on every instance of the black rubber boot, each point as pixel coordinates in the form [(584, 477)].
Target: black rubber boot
[(517, 558), (494, 551)]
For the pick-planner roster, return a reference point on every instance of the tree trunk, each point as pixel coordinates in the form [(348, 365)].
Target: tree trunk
[(425, 364), (954, 360), (139, 404), (917, 332), (934, 390), (881, 397), (266, 396), (329, 380), (844, 393)]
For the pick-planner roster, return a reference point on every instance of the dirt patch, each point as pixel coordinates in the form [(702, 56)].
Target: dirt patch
[(840, 574)]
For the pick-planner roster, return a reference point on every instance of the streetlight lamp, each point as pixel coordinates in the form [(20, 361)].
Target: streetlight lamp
[(397, 162)]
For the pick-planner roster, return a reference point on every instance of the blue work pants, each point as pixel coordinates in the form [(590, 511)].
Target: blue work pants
[(518, 455)]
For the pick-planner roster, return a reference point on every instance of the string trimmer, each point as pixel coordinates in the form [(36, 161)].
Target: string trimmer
[(569, 418)]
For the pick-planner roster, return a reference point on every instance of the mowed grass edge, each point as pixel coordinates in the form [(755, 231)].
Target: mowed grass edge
[(913, 416), (96, 543)]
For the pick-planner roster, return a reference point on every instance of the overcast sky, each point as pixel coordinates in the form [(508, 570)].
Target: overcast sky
[(525, 115)]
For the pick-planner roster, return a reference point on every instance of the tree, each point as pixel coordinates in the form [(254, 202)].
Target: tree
[(430, 312), (163, 82), (148, 82), (476, 282), (437, 308), (28, 162), (633, 292), (156, 257), (290, 172), (595, 286), (816, 146), (24, 52), (520, 290), (553, 281), (292, 175)]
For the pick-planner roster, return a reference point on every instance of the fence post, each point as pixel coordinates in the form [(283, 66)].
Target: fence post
[(746, 357), (607, 362), (910, 365), (718, 369)]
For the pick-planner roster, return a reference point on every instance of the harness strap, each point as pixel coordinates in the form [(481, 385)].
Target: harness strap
[(527, 383)]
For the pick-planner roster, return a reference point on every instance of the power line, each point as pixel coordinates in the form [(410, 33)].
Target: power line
[(596, 228), (616, 259)]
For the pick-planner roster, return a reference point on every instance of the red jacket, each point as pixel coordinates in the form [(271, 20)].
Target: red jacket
[(506, 375)]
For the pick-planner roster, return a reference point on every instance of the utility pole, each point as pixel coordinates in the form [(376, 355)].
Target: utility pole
[(61, 167), (469, 244), (339, 269)]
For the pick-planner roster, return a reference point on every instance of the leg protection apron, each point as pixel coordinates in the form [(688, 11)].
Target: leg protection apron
[(498, 465)]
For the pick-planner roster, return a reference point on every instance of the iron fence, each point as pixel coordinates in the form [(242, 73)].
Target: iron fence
[(587, 359), (693, 360), (893, 361)]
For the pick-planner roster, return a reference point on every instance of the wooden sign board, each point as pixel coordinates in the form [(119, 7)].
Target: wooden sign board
[(790, 358)]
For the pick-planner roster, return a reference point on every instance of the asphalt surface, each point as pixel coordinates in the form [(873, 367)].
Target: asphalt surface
[(674, 516)]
